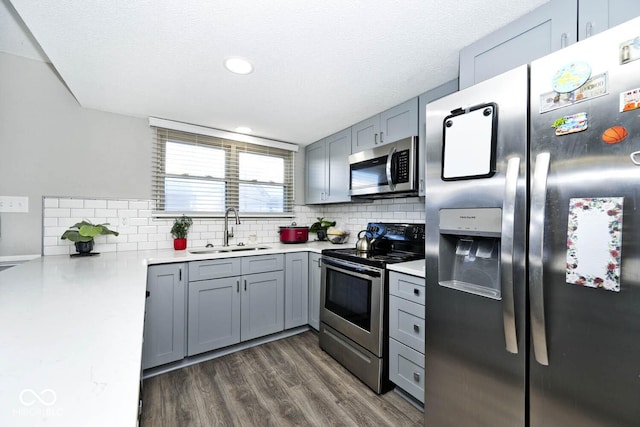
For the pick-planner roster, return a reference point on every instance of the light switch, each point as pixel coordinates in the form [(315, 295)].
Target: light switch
[(14, 204)]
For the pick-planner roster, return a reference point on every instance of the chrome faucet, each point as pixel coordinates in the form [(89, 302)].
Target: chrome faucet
[(227, 234)]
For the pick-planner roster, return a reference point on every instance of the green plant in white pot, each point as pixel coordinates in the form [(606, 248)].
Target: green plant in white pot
[(82, 234)]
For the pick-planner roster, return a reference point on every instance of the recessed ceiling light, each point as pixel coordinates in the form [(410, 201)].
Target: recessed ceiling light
[(243, 129), (238, 65)]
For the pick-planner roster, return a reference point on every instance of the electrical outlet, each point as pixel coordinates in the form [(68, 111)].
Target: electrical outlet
[(14, 204)]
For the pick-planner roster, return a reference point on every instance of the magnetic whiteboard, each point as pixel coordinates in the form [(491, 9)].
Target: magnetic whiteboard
[(469, 145)]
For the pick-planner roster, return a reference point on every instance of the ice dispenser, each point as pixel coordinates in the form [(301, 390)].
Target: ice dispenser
[(469, 258)]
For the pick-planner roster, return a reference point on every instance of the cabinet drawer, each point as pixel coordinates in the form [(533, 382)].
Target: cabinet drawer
[(214, 269), (406, 322), (406, 369), (262, 263), (408, 287)]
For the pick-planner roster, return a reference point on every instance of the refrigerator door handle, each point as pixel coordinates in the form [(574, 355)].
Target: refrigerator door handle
[(536, 248), (506, 254)]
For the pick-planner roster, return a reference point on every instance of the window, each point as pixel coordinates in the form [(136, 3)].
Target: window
[(206, 174)]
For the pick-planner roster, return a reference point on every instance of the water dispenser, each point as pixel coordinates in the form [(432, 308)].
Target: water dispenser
[(469, 258)]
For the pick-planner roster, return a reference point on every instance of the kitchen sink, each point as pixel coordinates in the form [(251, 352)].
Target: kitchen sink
[(225, 249)]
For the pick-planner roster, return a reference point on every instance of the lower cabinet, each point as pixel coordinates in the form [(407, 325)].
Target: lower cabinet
[(164, 326), (223, 311), (407, 333), (315, 273), (296, 289)]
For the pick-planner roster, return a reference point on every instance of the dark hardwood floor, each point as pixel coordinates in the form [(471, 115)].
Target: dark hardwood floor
[(290, 382)]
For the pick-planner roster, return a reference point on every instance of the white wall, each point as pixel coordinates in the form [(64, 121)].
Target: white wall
[(49, 145)]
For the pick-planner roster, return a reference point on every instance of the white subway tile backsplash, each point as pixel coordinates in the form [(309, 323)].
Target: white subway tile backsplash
[(71, 203), (140, 231)]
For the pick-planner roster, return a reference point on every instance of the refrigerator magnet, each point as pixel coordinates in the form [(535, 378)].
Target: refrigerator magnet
[(630, 100), (571, 124), (596, 86), (571, 76), (630, 50), (614, 134), (594, 242)]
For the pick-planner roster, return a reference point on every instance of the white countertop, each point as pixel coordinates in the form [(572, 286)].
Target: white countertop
[(414, 268), (71, 335)]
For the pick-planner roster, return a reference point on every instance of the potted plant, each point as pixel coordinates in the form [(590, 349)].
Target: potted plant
[(179, 232), (82, 234), (320, 227)]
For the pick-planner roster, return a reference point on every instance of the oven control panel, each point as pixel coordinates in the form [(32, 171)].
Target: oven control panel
[(407, 232)]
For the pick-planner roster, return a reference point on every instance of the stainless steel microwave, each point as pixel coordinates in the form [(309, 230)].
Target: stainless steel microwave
[(386, 171)]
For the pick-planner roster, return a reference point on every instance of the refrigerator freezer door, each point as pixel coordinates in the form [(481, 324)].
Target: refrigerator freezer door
[(475, 367), (592, 334)]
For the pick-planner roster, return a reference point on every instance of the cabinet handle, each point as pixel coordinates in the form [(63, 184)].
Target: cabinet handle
[(564, 38), (245, 285), (238, 286), (375, 138), (588, 31), (148, 294), (416, 327), (416, 377), (416, 292), (421, 187), (180, 274), (381, 137)]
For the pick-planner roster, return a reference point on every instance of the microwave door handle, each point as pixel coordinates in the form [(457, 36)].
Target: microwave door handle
[(390, 177)]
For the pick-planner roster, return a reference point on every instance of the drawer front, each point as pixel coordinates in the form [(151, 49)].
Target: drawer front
[(406, 322), (214, 269), (262, 263), (408, 287), (406, 369)]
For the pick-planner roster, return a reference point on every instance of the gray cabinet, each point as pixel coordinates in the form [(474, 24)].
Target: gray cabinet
[(164, 327), (407, 332), (296, 289), (214, 314), (262, 305), (423, 100), (315, 273), (391, 125), (233, 300), (595, 16), (327, 169), (548, 28)]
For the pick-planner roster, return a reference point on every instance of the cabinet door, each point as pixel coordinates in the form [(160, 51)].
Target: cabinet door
[(315, 271), (214, 314), (315, 172), (262, 304), (296, 290), (423, 100), (596, 16), (338, 148), (399, 122), (365, 134), (164, 327), (546, 29)]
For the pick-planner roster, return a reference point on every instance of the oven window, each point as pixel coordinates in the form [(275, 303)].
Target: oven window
[(349, 297), (370, 173)]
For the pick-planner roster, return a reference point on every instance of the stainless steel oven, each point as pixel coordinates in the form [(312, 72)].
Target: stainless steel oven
[(354, 299), (351, 317)]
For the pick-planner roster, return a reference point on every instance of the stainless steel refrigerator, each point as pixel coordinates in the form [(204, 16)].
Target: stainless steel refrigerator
[(533, 243)]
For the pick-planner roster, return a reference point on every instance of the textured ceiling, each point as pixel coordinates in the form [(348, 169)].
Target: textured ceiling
[(320, 66)]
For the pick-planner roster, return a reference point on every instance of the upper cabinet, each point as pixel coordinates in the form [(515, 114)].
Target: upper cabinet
[(551, 27), (546, 29), (595, 16), (391, 125), (327, 169)]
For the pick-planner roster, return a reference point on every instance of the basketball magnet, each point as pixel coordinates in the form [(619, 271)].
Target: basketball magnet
[(614, 134)]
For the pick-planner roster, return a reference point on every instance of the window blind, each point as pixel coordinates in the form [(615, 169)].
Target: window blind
[(203, 174)]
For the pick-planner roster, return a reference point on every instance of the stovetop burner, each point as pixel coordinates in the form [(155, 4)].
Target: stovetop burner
[(393, 243)]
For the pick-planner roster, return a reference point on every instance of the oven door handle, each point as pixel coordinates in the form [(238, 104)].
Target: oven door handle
[(351, 269)]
